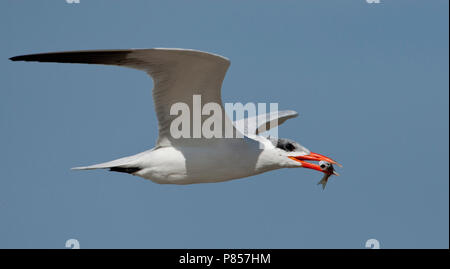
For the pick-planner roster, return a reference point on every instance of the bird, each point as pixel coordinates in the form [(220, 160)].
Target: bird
[(178, 75)]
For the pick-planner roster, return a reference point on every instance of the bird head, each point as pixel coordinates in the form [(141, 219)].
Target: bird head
[(298, 156)]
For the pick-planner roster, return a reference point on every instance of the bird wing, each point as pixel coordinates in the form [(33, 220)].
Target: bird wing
[(177, 74), (264, 122)]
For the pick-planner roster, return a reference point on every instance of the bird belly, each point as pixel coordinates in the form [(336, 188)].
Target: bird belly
[(199, 165)]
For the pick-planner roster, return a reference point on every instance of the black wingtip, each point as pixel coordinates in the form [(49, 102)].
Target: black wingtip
[(15, 58), (28, 58), (108, 57), (129, 170)]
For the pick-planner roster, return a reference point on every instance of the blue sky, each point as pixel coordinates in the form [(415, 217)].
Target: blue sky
[(370, 82)]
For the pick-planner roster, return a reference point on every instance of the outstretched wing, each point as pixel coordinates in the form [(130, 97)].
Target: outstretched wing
[(264, 122), (177, 74)]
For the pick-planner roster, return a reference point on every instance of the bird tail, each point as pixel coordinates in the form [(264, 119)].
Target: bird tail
[(125, 165)]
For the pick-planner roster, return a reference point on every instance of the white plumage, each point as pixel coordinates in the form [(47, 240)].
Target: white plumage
[(178, 75)]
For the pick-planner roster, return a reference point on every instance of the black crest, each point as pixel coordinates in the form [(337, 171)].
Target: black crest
[(285, 144)]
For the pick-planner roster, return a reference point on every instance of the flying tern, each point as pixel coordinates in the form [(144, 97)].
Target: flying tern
[(178, 75)]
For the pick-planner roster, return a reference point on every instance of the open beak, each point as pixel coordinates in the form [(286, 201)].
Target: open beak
[(314, 157)]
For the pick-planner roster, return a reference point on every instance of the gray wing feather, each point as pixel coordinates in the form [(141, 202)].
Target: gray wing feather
[(264, 122), (178, 74)]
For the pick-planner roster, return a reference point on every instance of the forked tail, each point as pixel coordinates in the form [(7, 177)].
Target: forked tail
[(128, 165)]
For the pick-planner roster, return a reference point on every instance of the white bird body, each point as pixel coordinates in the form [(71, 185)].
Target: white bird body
[(223, 160), (178, 75)]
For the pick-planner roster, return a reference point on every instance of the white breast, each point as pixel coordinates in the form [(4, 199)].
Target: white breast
[(222, 160)]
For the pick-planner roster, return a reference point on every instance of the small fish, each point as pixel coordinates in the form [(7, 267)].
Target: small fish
[(324, 181), (329, 170)]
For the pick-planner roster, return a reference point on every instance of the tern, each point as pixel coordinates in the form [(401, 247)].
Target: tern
[(178, 75)]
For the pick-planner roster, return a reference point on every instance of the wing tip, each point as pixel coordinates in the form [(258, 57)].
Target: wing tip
[(102, 56), (27, 58), (16, 58), (292, 113)]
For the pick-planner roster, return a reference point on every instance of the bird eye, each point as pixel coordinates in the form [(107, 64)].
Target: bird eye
[(289, 147), (322, 166)]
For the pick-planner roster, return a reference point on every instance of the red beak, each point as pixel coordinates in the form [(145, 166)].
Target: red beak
[(314, 157)]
